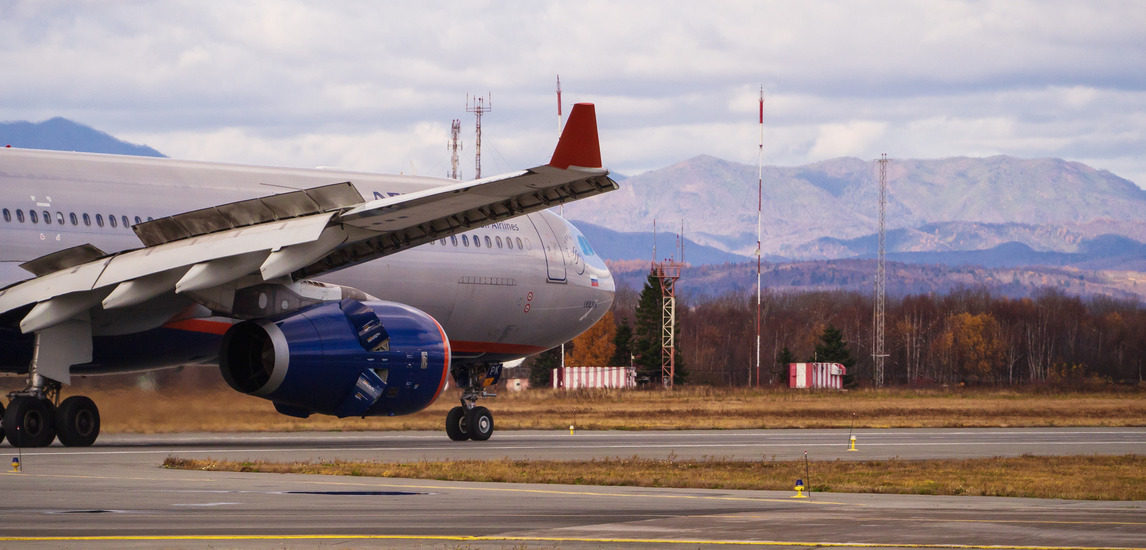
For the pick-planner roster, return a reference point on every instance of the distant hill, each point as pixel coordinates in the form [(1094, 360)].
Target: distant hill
[(828, 210), (902, 279), (61, 134), (614, 245)]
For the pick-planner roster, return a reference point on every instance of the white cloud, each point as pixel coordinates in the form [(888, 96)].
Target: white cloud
[(371, 85)]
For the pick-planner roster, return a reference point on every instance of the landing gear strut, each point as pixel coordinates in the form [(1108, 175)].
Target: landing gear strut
[(469, 421)]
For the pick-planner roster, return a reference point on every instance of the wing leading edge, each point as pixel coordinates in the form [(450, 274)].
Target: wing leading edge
[(207, 253)]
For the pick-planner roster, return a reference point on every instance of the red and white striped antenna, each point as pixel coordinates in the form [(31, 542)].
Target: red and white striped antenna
[(759, 220), (558, 106)]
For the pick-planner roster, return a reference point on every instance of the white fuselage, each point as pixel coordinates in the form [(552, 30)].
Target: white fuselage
[(500, 292)]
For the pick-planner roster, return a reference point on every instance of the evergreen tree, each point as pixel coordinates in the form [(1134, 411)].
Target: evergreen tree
[(833, 349), (646, 342), (622, 345), (785, 358), (541, 368)]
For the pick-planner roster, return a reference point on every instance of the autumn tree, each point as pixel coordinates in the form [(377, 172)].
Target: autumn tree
[(594, 347)]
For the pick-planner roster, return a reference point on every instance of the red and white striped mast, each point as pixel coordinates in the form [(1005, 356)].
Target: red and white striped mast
[(759, 218)]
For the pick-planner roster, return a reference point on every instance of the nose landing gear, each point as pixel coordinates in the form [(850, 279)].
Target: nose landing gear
[(468, 420)]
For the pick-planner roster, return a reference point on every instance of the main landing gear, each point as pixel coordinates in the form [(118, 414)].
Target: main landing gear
[(468, 420), (35, 417)]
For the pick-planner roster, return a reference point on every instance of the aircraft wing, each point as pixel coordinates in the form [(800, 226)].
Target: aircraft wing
[(296, 235)]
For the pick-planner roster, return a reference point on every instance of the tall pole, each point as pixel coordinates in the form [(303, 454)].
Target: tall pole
[(561, 212), (759, 225), (880, 276), (455, 146), (478, 108)]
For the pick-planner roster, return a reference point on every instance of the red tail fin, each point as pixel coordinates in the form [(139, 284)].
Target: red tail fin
[(579, 145)]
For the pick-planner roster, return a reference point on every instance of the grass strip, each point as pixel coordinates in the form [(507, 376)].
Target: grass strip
[(1080, 477), (224, 410)]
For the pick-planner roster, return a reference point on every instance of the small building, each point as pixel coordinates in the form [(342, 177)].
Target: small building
[(816, 375), (595, 377)]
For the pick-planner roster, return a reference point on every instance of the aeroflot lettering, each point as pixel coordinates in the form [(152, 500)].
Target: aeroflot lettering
[(379, 195), (505, 226)]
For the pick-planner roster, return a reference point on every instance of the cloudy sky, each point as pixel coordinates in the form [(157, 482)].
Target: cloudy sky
[(374, 85)]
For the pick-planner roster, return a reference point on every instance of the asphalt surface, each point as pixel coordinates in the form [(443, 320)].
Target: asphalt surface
[(117, 493)]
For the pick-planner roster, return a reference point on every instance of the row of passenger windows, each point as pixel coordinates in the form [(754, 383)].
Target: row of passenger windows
[(489, 243), (35, 217)]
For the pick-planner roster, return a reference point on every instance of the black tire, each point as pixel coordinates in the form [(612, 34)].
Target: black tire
[(77, 422), (480, 423), (28, 422), (456, 424)]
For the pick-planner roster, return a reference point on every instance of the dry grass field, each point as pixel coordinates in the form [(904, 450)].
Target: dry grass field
[(223, 410), (1068, 477)]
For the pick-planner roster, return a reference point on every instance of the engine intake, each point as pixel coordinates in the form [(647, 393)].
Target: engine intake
[(347, 358)]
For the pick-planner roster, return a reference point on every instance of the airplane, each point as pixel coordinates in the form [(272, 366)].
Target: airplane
[(322, 291)]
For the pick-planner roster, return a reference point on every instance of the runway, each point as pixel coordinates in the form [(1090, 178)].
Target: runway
[(116, 490)]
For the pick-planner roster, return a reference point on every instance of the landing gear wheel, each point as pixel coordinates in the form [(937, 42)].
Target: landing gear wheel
[(28, 422), (480, 423), (456, 424), (77, 422)]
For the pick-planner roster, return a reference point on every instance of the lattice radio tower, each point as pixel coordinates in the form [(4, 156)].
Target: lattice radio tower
[(668, 273), (880, 276), (454, 146), (481, 106)]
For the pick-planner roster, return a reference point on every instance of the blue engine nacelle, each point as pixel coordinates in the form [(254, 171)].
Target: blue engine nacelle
[(347, 358)]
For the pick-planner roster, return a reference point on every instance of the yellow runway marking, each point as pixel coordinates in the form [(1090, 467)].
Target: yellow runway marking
[(131, 538), (944, 520)]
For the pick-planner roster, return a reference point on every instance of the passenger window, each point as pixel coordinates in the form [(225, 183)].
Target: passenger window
[(59, 217), (87, 219), (477, 241), (137, 220), (99, 220), (75, 220), (125, 222), (519, 244), (47, 217), (111, 219), (443, 241), (488, 243), (454, 239), (34, 216), (7, 215), (499, 242), (509, 242), (19, 215), (465, 240)]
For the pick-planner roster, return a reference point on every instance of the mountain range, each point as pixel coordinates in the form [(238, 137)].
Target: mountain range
[(61, 134), (938, 211)]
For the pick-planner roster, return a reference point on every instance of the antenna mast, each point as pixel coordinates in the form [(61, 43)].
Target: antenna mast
[(759, 224), (455, 146), (880, 275), (478, 108), (559, 106)]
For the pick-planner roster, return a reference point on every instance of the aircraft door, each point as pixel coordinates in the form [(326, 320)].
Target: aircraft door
[(554, 258)]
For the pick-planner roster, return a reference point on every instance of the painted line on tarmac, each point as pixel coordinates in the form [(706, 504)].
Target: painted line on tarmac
[(761, 445), (694, 542), (657, 493)]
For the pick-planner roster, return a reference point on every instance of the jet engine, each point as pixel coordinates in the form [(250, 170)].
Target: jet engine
[(346, 358)]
